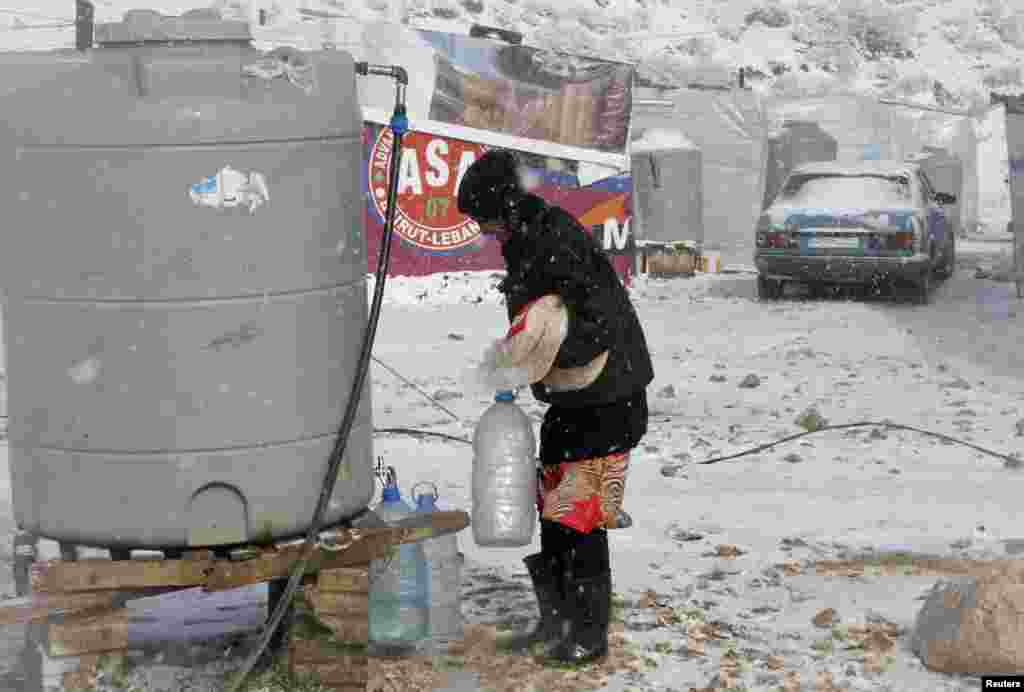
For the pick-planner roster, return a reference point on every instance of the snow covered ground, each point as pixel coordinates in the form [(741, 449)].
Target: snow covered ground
[(952, 367)]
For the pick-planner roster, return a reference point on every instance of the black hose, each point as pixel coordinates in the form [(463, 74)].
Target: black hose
[(398, 125)]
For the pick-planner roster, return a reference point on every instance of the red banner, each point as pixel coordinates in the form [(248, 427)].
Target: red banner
[(433, 237)]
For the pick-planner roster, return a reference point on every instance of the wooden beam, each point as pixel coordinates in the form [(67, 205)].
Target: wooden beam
[(344, 579), (352, 548), (101, 574), (339, 602), (349, 628), (340, 671), (317, 651), (279, 564), (38, 608), (87, 634)]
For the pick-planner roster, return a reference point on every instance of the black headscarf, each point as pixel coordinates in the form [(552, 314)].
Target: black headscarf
[(490, 187)]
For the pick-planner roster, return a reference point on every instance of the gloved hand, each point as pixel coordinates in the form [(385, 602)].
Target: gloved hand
[(496, 371), (526, 353)]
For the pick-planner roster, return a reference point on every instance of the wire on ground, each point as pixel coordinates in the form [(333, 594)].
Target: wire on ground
[(1008, 458)]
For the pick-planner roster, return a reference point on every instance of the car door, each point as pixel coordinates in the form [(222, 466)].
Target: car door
[(936, 221)]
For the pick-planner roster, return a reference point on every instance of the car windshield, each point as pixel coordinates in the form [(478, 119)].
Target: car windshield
[(844, 191)]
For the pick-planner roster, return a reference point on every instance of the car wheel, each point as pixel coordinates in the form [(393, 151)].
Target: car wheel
[(769, 289), (923, 289)]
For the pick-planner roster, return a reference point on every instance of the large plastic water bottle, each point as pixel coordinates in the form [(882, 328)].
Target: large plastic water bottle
[(445, 562), (399, 586), (504, 476)]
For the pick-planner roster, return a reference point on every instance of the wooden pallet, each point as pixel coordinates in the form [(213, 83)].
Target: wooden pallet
[(83, 601)]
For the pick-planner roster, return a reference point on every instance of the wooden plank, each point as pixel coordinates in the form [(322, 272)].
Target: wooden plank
[(344, 579), (670, 264), (339, 602), (343, 670), (441, 523), (84, 678), (355, 548), (318, 651), (335, 675), (279, 564), (79, 680), (349, 629), (37, 608), (87, 634), (56, 576)]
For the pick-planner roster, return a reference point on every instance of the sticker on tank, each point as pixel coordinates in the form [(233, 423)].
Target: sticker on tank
[(231, 188)]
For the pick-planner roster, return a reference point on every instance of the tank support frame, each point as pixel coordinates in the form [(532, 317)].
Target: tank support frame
[(77, 616)]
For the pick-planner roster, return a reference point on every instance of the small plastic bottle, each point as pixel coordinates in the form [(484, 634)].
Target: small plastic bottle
[(399, 587), (445, 564), (504, 476)]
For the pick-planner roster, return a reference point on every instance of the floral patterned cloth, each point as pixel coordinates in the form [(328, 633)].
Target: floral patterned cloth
[(583, 495)]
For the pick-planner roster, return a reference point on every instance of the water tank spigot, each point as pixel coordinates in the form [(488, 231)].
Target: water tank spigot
[(396, 72), (399, 120)]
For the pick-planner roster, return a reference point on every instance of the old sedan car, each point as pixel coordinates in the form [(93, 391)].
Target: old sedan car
[(865, 223)]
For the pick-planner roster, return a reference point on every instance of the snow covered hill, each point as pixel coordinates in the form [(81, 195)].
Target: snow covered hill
[(939, 52)]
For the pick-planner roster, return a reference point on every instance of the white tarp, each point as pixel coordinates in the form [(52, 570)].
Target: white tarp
[(730, 130)]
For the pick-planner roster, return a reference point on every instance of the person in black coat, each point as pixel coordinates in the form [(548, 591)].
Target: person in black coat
[(591, 426)]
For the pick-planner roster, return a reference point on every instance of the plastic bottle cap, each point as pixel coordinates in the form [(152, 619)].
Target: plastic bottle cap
[(391, 494), (505, 395)]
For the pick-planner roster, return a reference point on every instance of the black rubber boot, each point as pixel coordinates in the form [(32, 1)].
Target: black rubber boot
[(546, 576), (588, 601)]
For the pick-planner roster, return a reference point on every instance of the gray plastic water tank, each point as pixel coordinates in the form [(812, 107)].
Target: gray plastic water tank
[(797, 142), (668, 194), (185, 287)]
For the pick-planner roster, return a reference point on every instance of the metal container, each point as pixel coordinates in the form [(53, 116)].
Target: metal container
[(797, 142), (185, 277), (668, 195)]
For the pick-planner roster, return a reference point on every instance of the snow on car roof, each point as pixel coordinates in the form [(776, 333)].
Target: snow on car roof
[(858, 168)]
